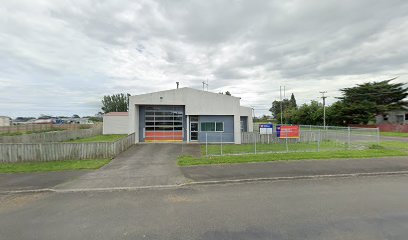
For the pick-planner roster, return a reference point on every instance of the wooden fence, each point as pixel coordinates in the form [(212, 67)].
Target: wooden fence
[(41, 127), (57, 136), (37, 152)]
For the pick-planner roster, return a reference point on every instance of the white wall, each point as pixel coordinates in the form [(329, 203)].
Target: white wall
[(196, 102), (247, 112), (4, 121), (115, 124)]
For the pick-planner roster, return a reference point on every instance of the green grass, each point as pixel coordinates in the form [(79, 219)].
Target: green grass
[(99, 138), (395, 145), (369, 153), (384, 149), (31, 132), (394, 134), (52, 166), (272, 147)]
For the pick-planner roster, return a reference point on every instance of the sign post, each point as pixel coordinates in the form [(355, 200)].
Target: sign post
[(266, 129)]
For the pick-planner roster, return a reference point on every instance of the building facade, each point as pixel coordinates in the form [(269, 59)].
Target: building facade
[(393, 117), (187, 115), (5, 121)]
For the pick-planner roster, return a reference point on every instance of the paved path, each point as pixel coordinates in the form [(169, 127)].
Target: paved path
[(294, 168), (372, 208), (141, 165)]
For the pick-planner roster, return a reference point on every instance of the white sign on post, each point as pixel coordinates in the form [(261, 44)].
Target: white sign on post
[(265, 128)]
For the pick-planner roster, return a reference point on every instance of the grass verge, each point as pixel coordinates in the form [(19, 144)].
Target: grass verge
[(215, 149), (31, 132), (369, 153), (394, 134), (52, 166), (384, 149), (99, 138)]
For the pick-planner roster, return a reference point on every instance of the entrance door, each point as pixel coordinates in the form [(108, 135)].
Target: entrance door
[(193, 131), (193, 128)]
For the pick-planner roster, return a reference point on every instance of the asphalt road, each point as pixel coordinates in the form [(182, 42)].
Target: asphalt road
[(342, 208), (36, 180)]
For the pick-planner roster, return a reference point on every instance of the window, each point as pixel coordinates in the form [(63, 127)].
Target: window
[(212, 126), (219, 127), (406, 117)]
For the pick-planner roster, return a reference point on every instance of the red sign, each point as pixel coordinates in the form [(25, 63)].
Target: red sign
[(289, 132)]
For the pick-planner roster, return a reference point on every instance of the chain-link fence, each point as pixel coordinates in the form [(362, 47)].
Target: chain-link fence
[(311, 139)]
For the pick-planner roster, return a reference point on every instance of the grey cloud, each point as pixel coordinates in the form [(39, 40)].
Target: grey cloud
[(63, 56)]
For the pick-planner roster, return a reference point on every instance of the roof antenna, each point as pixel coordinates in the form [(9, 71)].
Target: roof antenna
[(204, 84), (177, 83)]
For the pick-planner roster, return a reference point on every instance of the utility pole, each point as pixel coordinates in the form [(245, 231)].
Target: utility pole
[(324, 108)]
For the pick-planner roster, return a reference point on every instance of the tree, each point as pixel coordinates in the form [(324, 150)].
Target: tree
[(75, 116), (292, 101), (288, 107), (115, 103), (308, 114), (276, 107), (362, 103)]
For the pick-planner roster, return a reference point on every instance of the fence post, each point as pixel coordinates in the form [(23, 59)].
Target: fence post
[(254, 137), (206, 145), (378, 136), (318, 141), (221, 143), (286, 141), (348, 137)]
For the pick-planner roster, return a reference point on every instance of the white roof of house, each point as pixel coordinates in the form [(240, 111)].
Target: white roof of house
[(196, 102), (187, 90), (116, 114)]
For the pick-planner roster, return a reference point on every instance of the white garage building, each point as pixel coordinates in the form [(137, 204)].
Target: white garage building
[(183, 114)]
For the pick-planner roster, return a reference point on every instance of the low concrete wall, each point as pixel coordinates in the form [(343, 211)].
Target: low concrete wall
[(41, 152), (57, 136)]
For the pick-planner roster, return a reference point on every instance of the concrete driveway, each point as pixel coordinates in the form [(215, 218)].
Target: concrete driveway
[(141, 165)]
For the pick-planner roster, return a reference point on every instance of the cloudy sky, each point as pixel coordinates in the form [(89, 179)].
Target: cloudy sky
[(61, 57)]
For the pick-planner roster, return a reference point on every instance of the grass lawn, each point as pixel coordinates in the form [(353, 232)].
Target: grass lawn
[(394, 134), (99, 138), (215, 149), (31, 132), (52, 166), (385, 149)]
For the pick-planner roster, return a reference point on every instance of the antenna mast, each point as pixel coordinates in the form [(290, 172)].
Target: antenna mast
[(205, 84)]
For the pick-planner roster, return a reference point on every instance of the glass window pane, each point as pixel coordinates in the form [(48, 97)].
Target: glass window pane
[(208, 126), (219, 126)]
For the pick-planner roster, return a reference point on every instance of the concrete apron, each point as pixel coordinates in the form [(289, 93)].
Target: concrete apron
[(142, 165)]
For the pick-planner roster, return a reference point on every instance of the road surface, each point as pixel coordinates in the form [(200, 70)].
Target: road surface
[(341, 208)]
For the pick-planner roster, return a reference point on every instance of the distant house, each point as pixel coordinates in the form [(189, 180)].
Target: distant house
[(5, 121), (394, 117)]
